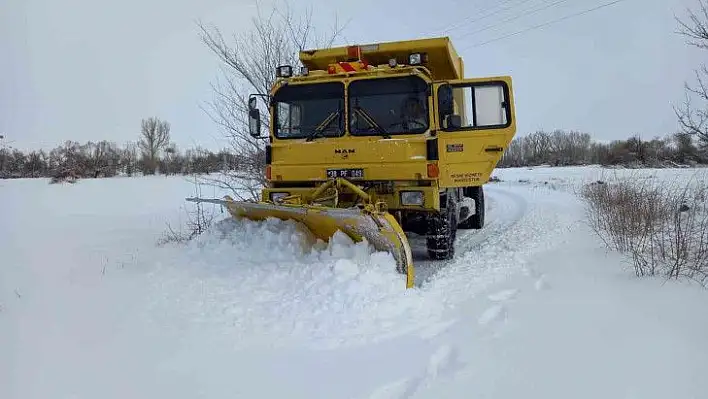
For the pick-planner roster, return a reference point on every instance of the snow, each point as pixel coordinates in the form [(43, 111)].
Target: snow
[(532, 305)]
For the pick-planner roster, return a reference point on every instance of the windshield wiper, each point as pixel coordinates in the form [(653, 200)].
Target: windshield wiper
[(370, 120), (324, 125)]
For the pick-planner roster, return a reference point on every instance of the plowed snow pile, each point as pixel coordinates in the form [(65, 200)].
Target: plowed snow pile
[(273, 283)]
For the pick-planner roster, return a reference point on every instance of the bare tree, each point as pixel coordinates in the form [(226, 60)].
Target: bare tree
[(129, 158), (155, 136), (249, 64), (694, 119)]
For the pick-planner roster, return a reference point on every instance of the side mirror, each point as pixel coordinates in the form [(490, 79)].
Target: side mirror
[(445, 101), (254, 123), (453, 122), (254, 118)]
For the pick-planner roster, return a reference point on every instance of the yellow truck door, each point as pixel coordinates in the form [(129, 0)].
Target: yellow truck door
[(476, 123)]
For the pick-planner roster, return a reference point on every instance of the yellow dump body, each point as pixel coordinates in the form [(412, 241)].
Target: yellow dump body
[(444, 62)]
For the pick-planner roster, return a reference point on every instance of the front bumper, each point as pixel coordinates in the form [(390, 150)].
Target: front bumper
[(395, 198)]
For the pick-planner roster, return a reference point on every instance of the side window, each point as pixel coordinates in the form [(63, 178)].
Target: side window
[(474, 106), (490, 105)]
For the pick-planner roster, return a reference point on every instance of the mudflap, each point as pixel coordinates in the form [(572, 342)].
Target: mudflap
[(380, 229)]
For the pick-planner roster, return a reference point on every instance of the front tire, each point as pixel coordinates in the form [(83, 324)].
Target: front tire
[(442, 231)]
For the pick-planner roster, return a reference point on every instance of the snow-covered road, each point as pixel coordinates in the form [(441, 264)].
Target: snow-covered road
[(531, 306), (504, 207)]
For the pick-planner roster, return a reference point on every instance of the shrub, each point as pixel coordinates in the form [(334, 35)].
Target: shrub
[(662, 225)]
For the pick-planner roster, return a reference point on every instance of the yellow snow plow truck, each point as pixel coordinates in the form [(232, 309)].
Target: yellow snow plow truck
[(378, 140)]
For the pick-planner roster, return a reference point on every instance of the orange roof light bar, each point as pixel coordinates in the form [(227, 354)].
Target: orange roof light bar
[(347, 67)]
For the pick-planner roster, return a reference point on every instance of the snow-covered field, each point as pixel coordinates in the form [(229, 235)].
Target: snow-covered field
[(532, 306)]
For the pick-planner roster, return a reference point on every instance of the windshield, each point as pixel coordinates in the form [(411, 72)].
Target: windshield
[(301, 109), (388, 106)]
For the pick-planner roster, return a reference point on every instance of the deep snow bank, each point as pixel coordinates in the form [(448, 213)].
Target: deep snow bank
[(270, 283)]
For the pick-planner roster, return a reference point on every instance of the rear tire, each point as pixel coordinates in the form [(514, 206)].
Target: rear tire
[(442, 231), (475, 221)]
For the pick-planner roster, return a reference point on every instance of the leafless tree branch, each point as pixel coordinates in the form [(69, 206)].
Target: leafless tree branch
[(696, 29), (249, 62), (694, 120)]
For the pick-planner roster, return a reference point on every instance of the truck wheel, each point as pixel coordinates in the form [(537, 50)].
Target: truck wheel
[(442, 231), (475, 221)]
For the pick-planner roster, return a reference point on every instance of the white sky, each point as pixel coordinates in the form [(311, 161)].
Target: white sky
[(91, 70)]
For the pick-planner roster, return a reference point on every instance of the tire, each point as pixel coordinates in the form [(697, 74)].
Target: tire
[(442, 231), (475, 221)]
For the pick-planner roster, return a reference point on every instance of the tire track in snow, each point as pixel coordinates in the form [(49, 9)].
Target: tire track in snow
[(523, 221), (443, 363), (506, 210)]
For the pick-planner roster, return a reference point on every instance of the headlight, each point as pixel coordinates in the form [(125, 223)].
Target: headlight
[(276, 197), (417, 58), (412, 197)]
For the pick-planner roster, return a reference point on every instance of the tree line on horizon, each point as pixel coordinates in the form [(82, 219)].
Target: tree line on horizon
[(155, 154), (568, 148), (152, 154)]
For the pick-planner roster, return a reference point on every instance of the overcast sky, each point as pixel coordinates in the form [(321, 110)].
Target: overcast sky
[(91, 70)]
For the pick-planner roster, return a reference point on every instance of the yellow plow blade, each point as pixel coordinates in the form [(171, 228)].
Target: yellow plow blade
[(380, 229)]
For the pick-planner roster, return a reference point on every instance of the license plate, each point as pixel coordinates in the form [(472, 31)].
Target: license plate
[(345, 173)]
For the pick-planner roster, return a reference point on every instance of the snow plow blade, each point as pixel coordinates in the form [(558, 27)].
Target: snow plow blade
[(379, 228)]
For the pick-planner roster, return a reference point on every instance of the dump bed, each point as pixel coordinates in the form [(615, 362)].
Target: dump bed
[(443, 61)]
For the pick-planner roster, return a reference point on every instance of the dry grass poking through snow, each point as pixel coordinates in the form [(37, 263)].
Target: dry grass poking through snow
[(199, 220), (662, 224)]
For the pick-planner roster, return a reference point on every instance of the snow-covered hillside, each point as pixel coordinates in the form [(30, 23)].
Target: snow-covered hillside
[(531, 307)]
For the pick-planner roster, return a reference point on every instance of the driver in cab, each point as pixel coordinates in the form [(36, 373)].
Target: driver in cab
[(413, 114)]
